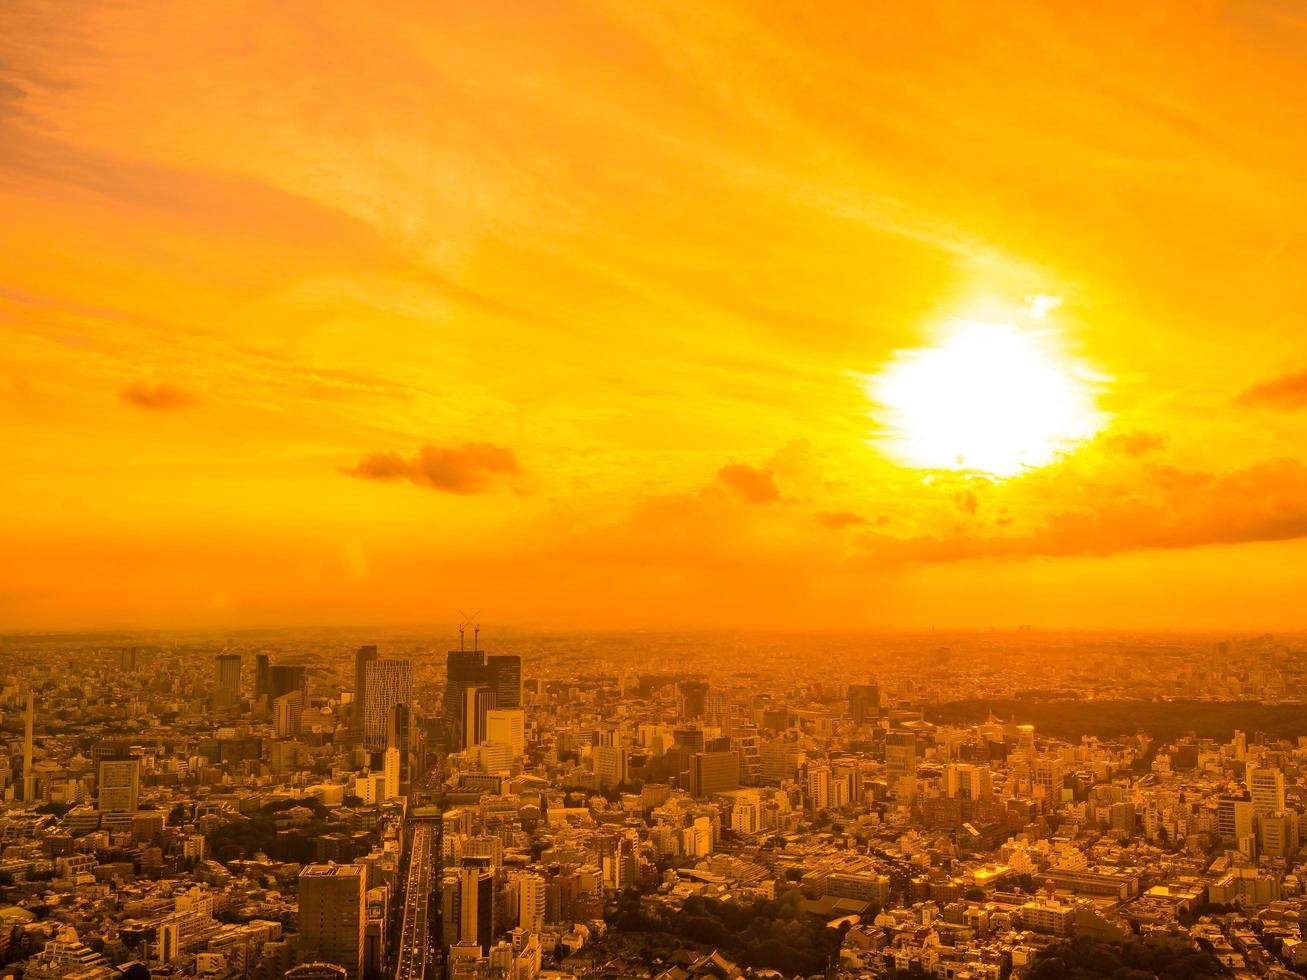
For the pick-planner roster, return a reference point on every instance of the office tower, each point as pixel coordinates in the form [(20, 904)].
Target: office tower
[(714, 772), (494, 758), (901, 764), (819, 788), (476, 906), (478, 702), (119, 785), (261, 665), (504, 677), (694, 699), (463, 669), (227, 679), (609, 765), (1266, 786), (333, 915), (362, 657), (387, 683), (286, 678), (288, 713), (864, 703), (531, 903), (390, 767), (29, 725), (399, 736), (507, 725), (131, 660), (1234, 817), (1277, 833)]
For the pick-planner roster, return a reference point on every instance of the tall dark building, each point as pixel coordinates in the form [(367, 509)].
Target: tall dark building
[(362, 657), (286, 679), (463, 669), (261, 664), (504, 675), (864, 702), (694, 699)]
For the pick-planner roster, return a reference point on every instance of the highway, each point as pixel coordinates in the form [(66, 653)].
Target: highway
[(415, 948)]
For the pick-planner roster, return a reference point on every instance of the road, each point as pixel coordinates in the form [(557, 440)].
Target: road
[(415, 949)]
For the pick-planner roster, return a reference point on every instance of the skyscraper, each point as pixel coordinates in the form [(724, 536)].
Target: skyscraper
[(261, 664), (477, 702), (1266, 786), (463, 669), (504, 675), (714, 772), (362, 657), (333, 915), (387, 683), (286, 678), (227, 679), (694, 699), (864, 702), (118, 785), (507, 726)]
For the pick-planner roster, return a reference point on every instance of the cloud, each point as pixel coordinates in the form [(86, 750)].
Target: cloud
[(755, 484), (1287, 393), (160, 397), (1160, 508), (473, 467), (837, 519), (1134, 443)]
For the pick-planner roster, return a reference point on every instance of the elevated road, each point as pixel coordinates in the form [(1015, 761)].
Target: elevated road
[(415, 940)]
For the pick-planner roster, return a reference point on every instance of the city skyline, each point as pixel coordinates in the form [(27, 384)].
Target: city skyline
[(615, 316)]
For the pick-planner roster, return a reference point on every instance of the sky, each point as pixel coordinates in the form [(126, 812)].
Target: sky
[(585, 314)]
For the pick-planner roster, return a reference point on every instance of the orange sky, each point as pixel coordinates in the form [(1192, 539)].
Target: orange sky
[(344, 313)]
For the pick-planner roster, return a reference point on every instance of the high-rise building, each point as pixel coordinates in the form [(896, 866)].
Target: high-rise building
[(333, 915), (287, 713), (901, 764), (387, 683), (1234, 817), (1266, 786), (476, 906), (694, 699), (118, 785), (478, 702), (531, 903), (362, 657), (131, 660), (463, 669), (714, 772), (261, 664), (285, 678), (227, 679), (504, 677), (507, 725), (864, 702), (399, 736), (29, 773)]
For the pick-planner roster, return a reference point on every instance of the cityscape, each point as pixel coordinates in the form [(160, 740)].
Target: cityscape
[(674, 806), (653, 490)]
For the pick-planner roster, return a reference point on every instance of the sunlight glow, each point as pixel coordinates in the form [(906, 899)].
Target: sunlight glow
[(990, 398)]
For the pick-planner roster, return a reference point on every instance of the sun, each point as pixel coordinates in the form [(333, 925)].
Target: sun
[(990, 398)]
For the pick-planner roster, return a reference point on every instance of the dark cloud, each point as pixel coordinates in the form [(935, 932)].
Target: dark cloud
[(756, 485), (1287, 393), (473, 467), (160, 397), (837, 519), (1135, 443)]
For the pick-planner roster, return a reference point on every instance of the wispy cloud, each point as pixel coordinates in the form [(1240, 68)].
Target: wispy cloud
[(473, 467)]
